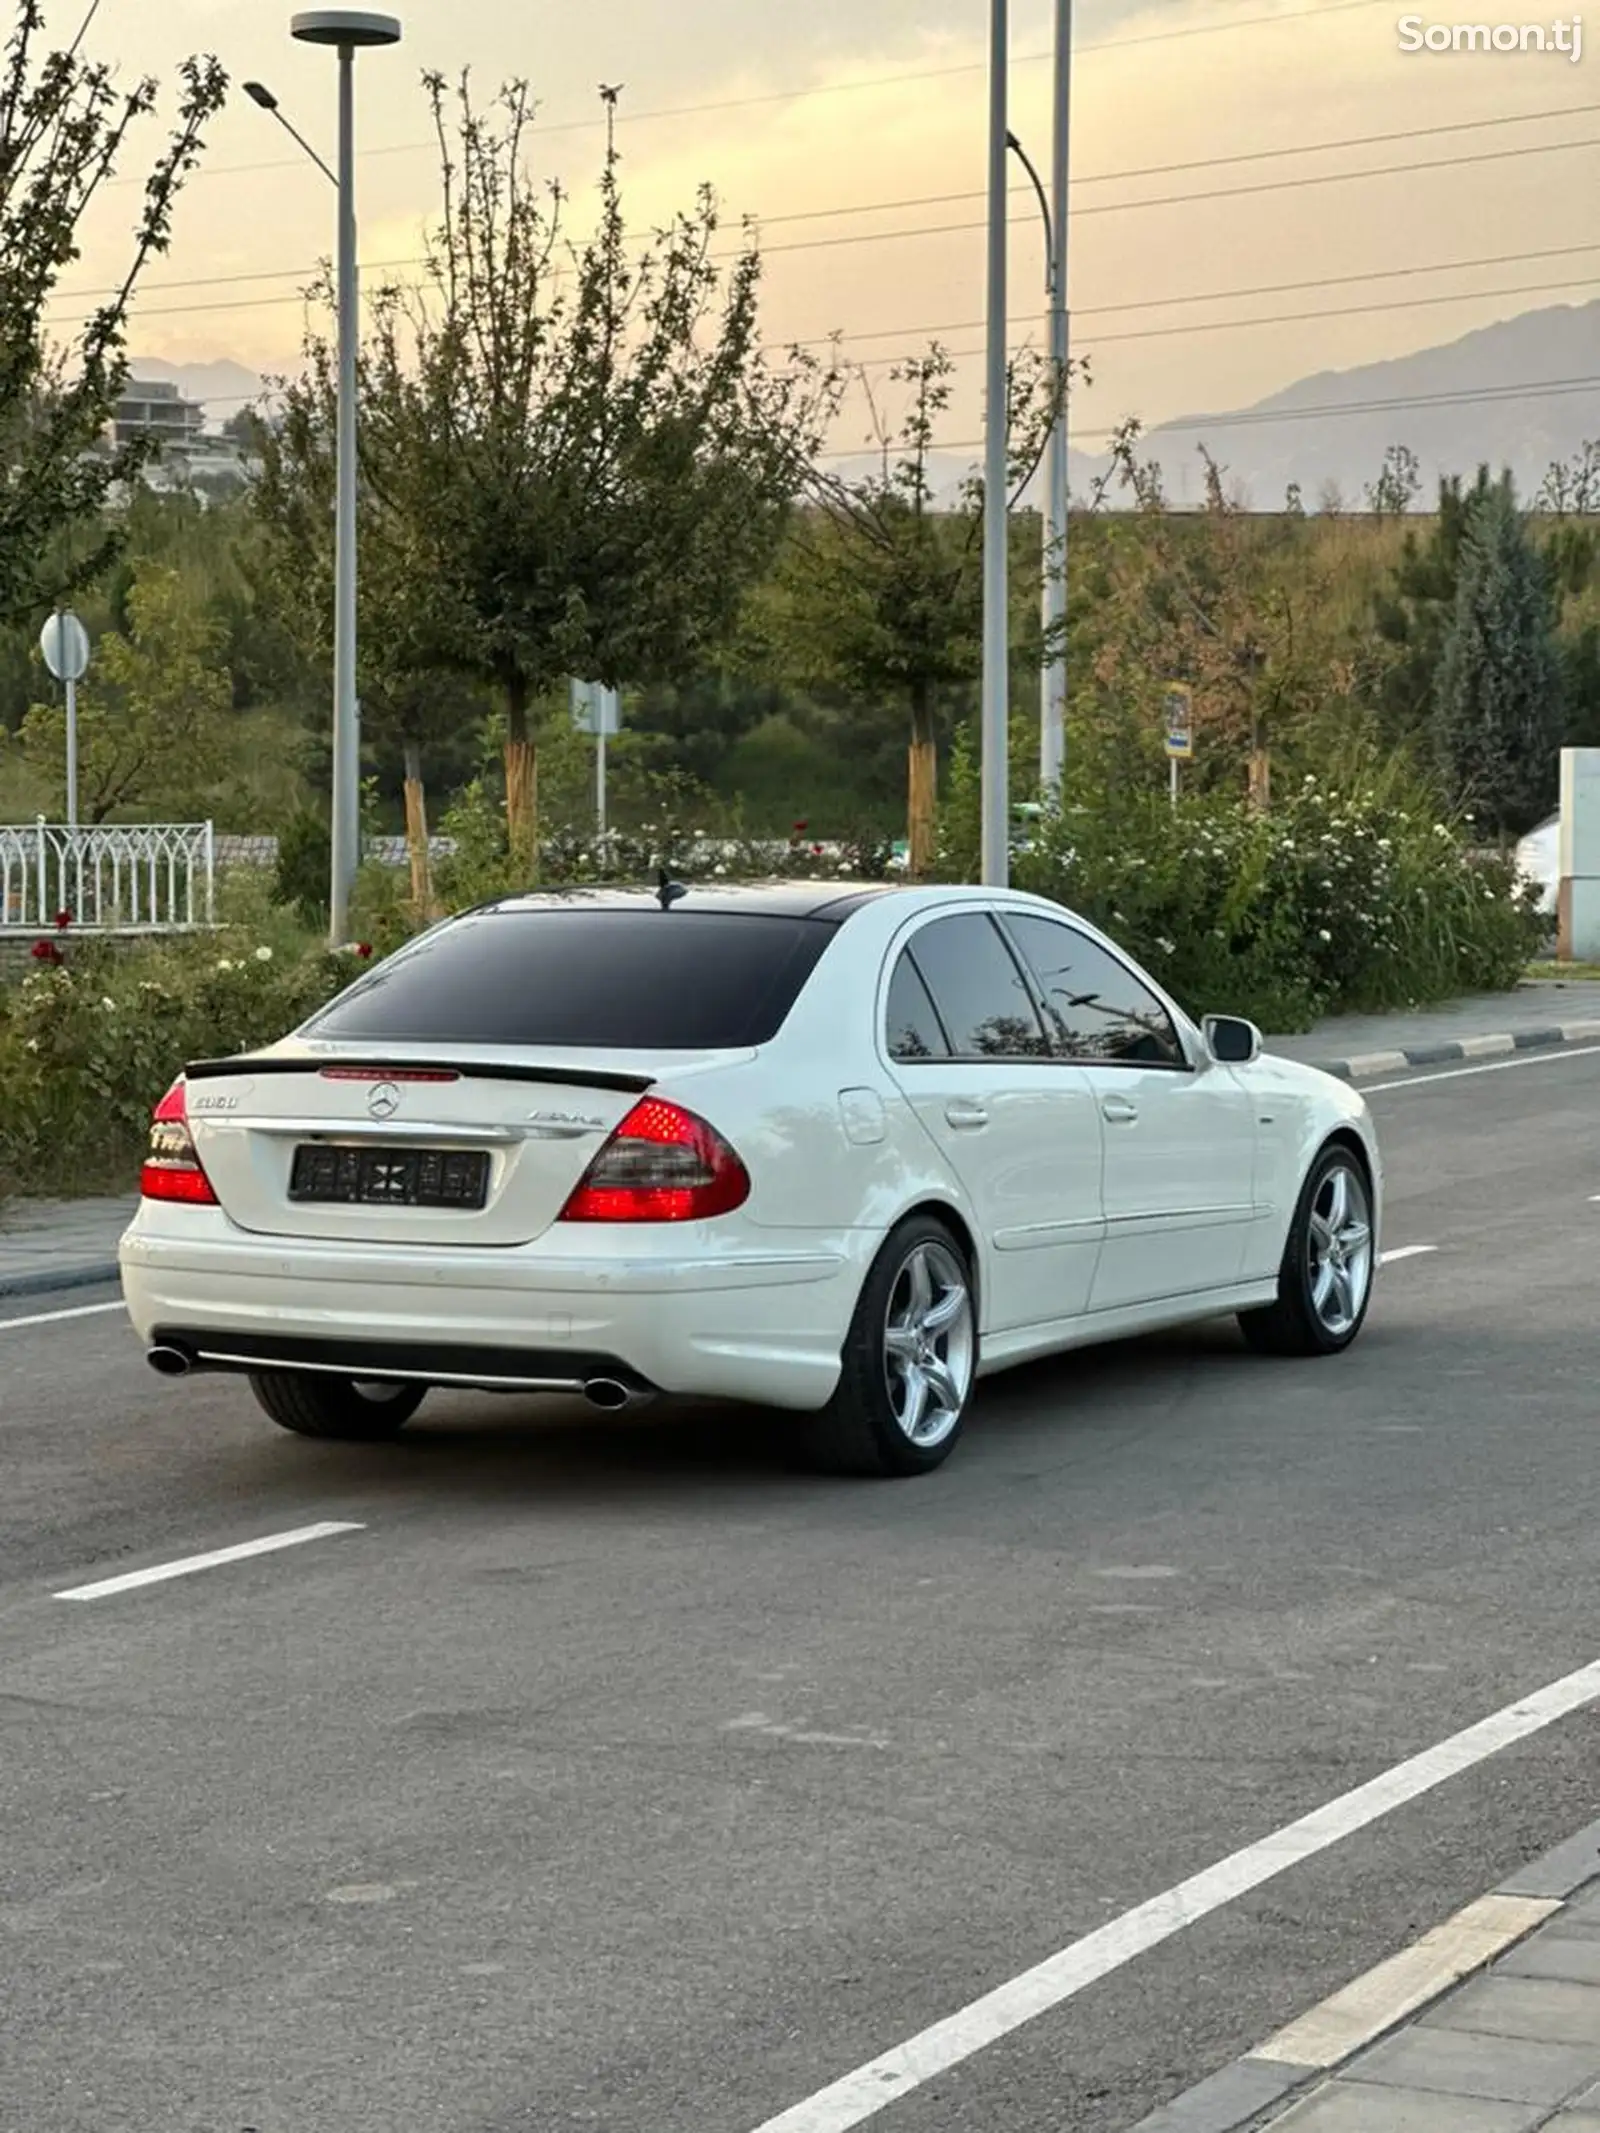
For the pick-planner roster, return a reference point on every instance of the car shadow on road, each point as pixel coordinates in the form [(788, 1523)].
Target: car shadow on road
[(500, 1448)]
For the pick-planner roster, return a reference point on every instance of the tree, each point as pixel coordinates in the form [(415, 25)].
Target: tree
[(1496, 713), (1413, 612), (63, 128), (579, 449), (1398, 485), (883, 591), (154, 732)]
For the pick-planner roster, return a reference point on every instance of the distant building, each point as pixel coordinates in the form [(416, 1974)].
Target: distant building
[(152, 407)]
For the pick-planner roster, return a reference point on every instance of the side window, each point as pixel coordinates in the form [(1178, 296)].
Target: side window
[(981, 996), (1098, 1010), (914, 1031)]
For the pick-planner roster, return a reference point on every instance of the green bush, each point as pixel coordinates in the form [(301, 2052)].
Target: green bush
[(1352, 899), (89, 1044)]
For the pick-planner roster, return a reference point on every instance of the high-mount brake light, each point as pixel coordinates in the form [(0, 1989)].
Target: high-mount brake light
[(662, 1164), (172, 1168), (379, 1073)]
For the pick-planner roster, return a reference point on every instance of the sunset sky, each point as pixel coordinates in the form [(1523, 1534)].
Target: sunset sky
[(804, 116)]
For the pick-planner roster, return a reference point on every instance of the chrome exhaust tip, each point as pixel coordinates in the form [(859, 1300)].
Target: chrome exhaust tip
[(169, 1362), (612, 1396)]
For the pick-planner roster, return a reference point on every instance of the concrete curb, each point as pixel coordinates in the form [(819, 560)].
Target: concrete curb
[(1239, 2097), (45, 1283), (1368, 1066)]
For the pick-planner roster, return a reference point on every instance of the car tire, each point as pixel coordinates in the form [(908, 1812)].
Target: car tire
[(909, 1361), (1325, 1280), (342, 1409)]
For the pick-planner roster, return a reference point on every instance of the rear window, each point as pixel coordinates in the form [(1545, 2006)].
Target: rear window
[(647, 980)]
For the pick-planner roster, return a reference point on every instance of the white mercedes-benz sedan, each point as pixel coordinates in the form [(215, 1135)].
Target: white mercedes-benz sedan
[(826, 1148)]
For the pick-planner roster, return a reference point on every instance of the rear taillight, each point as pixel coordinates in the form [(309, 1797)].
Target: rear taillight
[(172, 1168), (661, 1165)]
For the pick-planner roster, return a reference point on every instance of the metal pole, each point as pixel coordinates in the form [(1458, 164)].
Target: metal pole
[(996, 855), (346, 806), (72, 753), (600, 776), (1053, 682)]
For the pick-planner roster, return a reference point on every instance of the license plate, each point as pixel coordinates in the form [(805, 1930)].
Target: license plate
[(390, 1177)]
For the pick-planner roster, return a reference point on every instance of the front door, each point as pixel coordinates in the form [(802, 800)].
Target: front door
[(1180, 1139), (1017, 1125)]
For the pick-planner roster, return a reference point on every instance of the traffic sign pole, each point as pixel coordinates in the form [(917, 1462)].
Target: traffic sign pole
[(64, 642), (1178, 706)]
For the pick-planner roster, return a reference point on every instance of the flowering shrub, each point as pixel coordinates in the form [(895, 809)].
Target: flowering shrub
[(90, 1040), (1355, 899)]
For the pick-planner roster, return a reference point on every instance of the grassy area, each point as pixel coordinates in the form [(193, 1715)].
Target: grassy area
[(1578, 972)]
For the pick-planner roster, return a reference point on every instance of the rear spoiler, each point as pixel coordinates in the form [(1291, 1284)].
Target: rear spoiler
[(469, 1070)]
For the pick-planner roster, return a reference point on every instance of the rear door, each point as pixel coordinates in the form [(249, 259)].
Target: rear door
[(1018, 1127), (1180, 1141)]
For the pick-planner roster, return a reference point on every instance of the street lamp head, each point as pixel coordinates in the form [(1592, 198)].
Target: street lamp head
[(259, 93), (353, 26)]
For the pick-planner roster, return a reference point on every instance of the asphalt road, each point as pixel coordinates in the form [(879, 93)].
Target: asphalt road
[(612, 1775)]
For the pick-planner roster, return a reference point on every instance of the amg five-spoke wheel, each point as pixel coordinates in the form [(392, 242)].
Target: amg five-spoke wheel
[(1325, 1281), (1339, 1245), (928, 1346), (909, 1361)]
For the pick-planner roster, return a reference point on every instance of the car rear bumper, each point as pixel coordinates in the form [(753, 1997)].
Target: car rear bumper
[(735, 1321)]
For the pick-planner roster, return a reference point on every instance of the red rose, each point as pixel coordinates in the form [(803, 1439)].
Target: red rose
[(816, 851), (364, 950), (46, 952), (63, 920)]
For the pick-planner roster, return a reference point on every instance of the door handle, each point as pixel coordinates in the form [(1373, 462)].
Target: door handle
[(966, 1118), (1119, 1110)]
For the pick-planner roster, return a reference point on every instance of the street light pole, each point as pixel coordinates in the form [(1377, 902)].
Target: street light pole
[(996, 855), (347, 30), (1053, 705)]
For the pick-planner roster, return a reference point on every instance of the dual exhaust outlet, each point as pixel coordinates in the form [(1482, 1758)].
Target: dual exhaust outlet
[(610, 1395)]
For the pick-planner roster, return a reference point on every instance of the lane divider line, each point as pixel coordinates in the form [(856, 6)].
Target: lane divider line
[(1334, 2034), (54, 1318), (186, 1566), (868, 2089), (1493, 1066), (1405, 1251)]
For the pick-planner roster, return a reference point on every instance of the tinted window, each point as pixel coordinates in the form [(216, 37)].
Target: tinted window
[(1098, 1009), (646, 979), (914, 1031), (981, 995)]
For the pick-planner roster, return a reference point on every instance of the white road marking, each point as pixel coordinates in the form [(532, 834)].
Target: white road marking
[(871, 2088), (1556, 1056), (54, 1318), (1405, 1251), (185, 1566)]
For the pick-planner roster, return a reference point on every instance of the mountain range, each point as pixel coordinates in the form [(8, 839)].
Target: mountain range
[(1518, 394)]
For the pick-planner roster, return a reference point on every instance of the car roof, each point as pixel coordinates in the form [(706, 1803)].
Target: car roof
[(830, 901)]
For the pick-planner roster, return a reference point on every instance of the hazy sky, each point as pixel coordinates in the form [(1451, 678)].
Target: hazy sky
[(841, 104)]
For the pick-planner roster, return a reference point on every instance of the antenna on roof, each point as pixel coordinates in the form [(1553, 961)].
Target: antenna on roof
[(667, 890)]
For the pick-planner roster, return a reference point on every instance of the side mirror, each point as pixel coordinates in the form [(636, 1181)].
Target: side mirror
[(1231, 1041)]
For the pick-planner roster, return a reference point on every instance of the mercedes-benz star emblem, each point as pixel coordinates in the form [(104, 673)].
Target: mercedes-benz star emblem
[(384, 1100)]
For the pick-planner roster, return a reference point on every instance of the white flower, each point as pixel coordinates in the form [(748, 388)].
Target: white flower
[(110, 1006), (263, 954), (1323, 934), (33, 1044), (223, 963)]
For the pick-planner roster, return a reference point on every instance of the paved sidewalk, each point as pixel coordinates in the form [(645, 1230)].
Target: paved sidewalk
[(60, 1244), (1489, 2024), (1542, 1012)]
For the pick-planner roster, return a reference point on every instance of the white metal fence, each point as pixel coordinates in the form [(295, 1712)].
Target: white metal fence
[(157, 877)]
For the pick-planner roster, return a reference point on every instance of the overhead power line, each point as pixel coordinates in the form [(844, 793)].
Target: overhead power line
[(1555, 388), (802, 92)]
